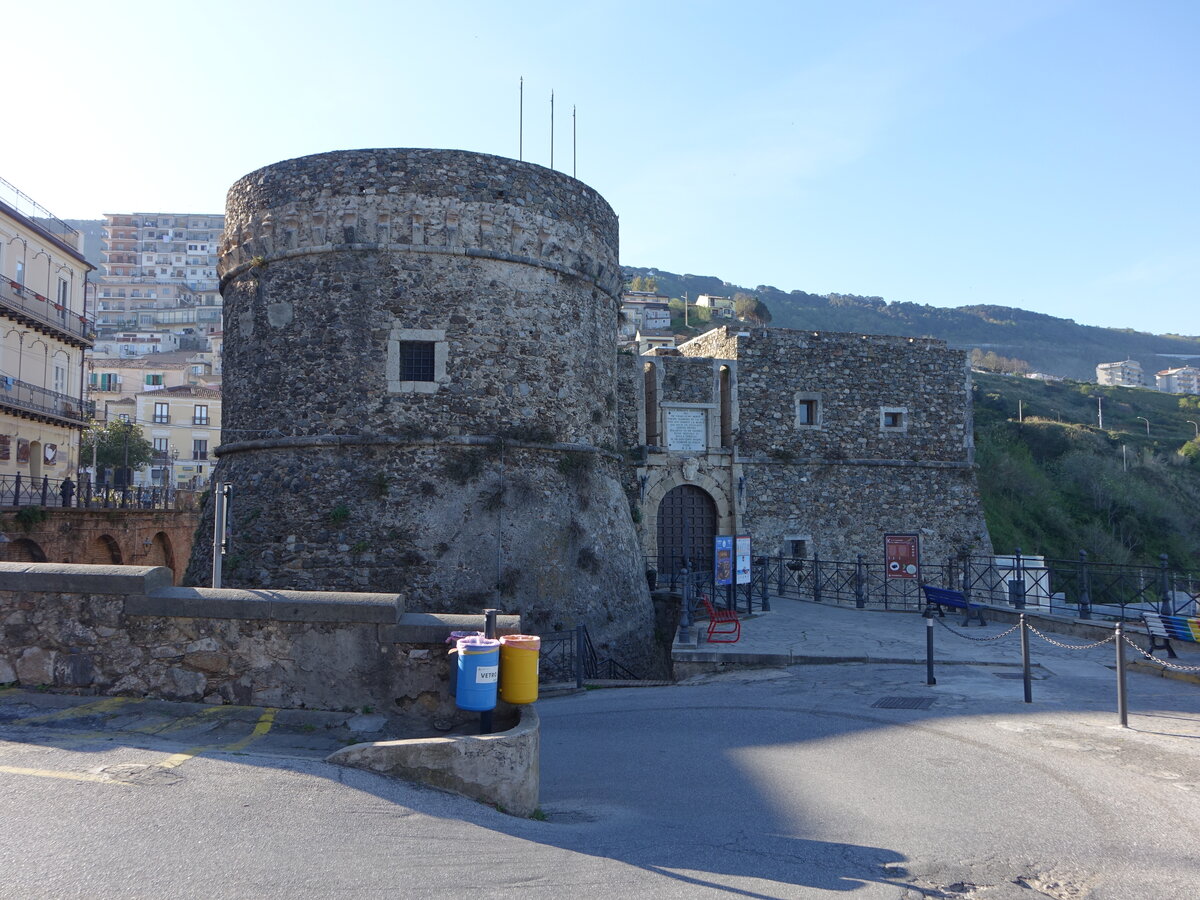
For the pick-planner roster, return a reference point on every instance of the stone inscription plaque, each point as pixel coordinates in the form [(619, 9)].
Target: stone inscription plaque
[(687, 430)]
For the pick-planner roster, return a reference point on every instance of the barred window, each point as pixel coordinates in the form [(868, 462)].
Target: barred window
[(416, 361)]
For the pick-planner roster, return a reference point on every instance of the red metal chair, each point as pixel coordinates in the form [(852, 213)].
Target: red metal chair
[(723, 624)]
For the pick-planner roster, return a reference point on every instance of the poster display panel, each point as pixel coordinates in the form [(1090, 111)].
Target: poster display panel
[(743, 559), (723, 559), (902, 555)]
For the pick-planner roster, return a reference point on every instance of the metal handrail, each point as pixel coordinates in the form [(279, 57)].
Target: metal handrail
[(19, 298), (35, 398)]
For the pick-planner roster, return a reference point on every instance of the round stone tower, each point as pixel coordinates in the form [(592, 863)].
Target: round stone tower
[(419, 390)]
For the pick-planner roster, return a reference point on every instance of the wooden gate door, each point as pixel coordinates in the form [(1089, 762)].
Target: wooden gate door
[(687, 522)]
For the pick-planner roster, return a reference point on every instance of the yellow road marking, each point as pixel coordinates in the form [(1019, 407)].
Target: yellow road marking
[(265, 721), (98, 706), (50, 773)]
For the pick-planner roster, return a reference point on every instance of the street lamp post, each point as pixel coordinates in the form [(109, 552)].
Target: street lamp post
[(1147, 421), (1195, 426)]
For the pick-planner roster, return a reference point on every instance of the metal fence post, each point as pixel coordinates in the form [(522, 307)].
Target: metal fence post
[(816, 573), (1122, 703), (579, 641), (1016, 584), (1085, 591), (929, 679), (685, 614), (859, 600), (779, 578), (765, 603), (1166, 609), (1026, 676)]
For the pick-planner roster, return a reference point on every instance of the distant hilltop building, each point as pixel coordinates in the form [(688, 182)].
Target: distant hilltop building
[(720, 306), (1127, 373), (1183, 380)]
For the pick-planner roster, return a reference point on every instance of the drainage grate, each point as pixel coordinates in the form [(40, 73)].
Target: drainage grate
[(903, 703)]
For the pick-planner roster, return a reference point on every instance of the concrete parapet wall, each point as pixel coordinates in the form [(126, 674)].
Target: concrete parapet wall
[(503, 768), (127, 630)]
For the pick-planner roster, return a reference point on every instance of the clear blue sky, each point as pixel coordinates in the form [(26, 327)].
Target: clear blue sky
[(1034, 154)]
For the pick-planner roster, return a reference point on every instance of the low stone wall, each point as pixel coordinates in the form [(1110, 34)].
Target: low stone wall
[(128, 630), (502, 768)]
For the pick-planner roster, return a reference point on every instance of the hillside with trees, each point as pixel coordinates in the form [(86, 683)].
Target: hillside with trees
[(1054, 483), (1045, 343)]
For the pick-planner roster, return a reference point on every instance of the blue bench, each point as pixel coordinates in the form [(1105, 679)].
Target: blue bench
[(1164, 629), (940, 597)]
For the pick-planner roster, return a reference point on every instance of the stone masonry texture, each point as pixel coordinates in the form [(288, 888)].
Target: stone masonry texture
[(496, 482)]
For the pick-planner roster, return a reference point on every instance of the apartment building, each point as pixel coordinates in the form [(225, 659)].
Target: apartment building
[(44, 333), (1126, 373), (643, 310), (184, 425), (113, 378), (1181, 380)]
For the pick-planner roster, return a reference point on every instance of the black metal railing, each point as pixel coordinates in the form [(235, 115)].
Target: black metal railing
[(570, 656), (42, 310), (36, 399), (1080, 587), (22, 491)]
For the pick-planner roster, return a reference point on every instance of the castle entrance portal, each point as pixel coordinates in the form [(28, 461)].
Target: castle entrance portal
[(687, 523)]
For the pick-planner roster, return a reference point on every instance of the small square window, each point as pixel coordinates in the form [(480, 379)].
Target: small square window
[(808, 410), (416, 361), (893, 418)]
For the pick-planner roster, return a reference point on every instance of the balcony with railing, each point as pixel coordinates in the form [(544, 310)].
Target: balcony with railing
[(33, 309), (31, 399), (200, 420)]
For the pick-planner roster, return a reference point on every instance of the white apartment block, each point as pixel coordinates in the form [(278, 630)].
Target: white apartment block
[(1127, 373), (1183, 380)]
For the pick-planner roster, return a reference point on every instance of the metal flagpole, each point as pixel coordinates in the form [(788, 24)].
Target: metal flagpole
[(552, 129), (521, 121)]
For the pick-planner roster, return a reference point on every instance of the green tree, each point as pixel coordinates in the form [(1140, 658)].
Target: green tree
[(750, 308), (110, 444), (646, 283)]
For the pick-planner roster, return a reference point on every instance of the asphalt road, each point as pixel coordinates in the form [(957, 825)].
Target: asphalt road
[(783, 783)]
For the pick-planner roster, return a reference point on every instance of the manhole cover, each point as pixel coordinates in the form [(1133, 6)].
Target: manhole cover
[(903, 703)]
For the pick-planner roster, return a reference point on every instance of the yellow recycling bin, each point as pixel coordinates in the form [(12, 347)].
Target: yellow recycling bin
[(519, 667)]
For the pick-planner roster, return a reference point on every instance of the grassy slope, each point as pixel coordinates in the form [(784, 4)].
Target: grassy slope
[(1057, 484)]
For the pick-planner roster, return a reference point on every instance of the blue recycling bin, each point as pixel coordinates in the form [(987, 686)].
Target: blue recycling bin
[(478, 673)]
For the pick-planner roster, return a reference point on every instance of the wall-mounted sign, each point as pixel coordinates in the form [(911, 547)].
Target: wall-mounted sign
[(22, 450), (743, 559), (687, 430), (50, 454), (723, 559), (902, 555), (5, 447)]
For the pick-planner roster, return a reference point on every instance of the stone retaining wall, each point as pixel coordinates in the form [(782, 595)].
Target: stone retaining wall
[(128, 630)]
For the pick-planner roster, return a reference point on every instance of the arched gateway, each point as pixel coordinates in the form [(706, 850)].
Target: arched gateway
[(687, 523)]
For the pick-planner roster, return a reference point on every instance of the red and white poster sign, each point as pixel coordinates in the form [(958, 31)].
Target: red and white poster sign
[(902, 553)]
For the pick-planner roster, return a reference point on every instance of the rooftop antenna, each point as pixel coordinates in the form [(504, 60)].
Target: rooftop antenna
[(573, 158), (521, 121), (552, 129)]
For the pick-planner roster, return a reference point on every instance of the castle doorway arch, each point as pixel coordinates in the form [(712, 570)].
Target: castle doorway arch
[(687, 523)]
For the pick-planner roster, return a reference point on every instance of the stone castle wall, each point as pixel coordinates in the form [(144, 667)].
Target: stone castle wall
[(125, 630), (495, 482), (836, 477)]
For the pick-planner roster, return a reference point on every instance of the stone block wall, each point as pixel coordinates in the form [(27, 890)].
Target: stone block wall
[(127, 630), (840, 482), (494, 477)]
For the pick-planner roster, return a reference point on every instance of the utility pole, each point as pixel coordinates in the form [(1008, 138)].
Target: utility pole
[(1100, 413)]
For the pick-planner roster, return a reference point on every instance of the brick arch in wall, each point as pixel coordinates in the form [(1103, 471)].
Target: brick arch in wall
[(24, 550), (160, 552), (662, 483), (103, 551)]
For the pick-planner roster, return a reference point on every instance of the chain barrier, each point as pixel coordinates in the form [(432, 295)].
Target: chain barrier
[(977, 640), (1070, 646), (1161, 662)]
